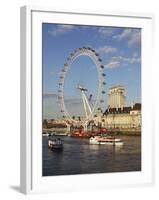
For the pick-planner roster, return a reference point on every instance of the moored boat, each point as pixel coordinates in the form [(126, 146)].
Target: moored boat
[(55, 144), (80, 134), (45, 134)]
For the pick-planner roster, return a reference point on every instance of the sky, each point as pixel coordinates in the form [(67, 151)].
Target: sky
[(118, 47)]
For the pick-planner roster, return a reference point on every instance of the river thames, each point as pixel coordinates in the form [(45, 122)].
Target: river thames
[(79, 157)]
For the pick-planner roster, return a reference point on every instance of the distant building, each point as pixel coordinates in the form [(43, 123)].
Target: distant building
[(118, 116), (117, 97), (126, 118)]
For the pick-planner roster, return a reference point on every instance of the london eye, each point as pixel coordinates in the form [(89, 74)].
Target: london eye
[(89, 111)]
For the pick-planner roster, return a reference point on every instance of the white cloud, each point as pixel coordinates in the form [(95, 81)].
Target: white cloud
[(133, 36), (60, 30), (131, 60), (124, 34), (135, 40), (106, 31), (118, 61), (107, 50), (113, 64)]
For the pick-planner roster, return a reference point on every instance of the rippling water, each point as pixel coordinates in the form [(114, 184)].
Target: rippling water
[(79, 157)]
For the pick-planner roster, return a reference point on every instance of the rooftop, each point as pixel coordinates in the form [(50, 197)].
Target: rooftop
[(137, 106), (117, 86)]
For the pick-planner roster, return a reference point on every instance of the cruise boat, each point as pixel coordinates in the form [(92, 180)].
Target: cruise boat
[(94, 140), (106, 140), (55, 144)]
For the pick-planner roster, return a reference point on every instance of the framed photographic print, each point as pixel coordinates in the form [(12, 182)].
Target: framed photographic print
[(86, 100)]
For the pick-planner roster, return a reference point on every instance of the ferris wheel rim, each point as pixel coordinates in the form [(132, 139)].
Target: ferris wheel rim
[(93, 55)]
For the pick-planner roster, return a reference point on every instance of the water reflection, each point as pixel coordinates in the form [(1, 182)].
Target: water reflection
[(94, 147), (114, 148), (79, 157)]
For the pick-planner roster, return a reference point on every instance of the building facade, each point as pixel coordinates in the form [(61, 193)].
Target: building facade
[(118, 116), (122, 119), (117, 97)]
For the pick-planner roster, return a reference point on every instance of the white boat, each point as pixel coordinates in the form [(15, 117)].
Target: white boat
[(45, 134), (106, 140), (55, 144), (94, 140)]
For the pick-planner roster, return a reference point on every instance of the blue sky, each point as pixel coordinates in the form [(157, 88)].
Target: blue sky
[(119, 48)]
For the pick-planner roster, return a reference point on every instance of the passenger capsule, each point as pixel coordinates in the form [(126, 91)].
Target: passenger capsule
[(100, 60)]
